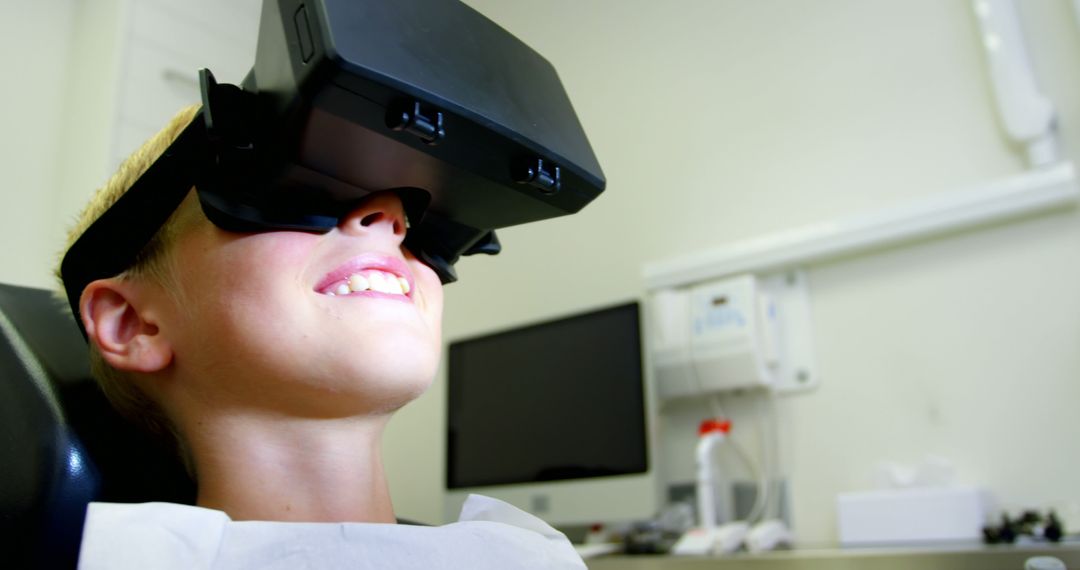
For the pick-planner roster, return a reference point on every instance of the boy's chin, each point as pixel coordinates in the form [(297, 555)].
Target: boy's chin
[(384, 390), (387, 395), (334, 399), (371, 378)]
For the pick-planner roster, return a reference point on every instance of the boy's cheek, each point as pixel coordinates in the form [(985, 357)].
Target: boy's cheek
[(433, 290), (256, 260)]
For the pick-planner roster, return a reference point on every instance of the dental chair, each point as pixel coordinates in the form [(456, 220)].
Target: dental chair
[(61, 443)]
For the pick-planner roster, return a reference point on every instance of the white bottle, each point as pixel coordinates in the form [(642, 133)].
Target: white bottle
[(711, 435), (710, 537)]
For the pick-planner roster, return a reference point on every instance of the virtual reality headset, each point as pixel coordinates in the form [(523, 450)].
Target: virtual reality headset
[(428, 98)]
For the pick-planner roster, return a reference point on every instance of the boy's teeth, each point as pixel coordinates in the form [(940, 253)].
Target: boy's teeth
[(358, 283), (393, 286), (373, 281), (378, 282)]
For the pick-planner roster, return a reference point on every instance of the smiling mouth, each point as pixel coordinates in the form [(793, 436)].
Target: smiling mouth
[(369, 281)]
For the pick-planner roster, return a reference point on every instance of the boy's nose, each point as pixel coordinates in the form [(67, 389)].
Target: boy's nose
[(381, 213)]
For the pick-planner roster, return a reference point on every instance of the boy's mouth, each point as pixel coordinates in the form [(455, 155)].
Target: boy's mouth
[(373, 280), (370, 275)]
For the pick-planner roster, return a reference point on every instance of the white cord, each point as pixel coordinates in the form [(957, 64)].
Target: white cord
[(762, 494), (770, 449), (759, 475)]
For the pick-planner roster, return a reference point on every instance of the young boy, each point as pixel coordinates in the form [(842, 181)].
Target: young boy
[(275, 360)]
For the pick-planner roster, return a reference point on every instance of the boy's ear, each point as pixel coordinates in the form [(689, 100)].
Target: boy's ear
[(122, 328)]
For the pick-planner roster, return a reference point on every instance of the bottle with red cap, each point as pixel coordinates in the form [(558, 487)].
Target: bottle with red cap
[(711, 434), (711, 537)]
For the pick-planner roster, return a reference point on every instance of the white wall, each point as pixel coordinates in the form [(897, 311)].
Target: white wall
[(89, 105), (720, 121), (93, 81), (133, 65), (35, 36)]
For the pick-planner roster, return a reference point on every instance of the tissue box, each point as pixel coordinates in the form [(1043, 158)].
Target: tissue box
[(909, 516)]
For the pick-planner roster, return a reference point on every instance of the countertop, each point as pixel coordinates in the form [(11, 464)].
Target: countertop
[(961, 557)]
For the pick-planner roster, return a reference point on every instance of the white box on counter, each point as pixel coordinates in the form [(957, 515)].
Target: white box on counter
[(912, 516)]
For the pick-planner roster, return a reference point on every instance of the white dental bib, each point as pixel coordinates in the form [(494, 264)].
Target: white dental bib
[(489, 534)]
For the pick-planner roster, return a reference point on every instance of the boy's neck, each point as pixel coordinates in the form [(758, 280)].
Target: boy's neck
[(292, 469)]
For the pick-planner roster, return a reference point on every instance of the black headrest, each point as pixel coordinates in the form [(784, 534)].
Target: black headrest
[(61, 443)]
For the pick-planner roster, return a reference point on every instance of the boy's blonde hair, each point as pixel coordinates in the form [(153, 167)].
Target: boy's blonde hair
[(153, 263)]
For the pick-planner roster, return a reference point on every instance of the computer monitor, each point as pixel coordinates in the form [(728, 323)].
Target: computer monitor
[(554, 418)]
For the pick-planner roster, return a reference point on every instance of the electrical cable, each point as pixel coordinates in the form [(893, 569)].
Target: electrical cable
[(768, 437), (762, 495), (775, 468), (758, 474), (761, 473)]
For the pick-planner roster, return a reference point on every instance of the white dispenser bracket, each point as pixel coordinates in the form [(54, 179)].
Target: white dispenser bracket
[(797, 369)]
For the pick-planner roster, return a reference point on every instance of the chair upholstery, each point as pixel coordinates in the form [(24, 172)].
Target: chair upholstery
[(61, 444)]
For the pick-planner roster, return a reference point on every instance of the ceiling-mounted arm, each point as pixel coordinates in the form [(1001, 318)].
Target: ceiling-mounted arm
[(1027, 115)]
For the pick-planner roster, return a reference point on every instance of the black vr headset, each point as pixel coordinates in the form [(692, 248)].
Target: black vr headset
[(428, 98)]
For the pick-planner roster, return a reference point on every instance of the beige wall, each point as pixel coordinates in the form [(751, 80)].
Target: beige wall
[(720, 121), (88, 90), (36, 38), (90, 103)]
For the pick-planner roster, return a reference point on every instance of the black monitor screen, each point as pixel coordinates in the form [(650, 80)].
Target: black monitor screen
[(559, 400)]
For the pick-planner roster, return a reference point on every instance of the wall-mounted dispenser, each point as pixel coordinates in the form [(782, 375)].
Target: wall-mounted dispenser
[(732, 333)]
